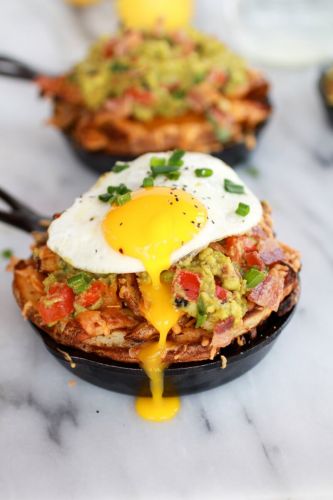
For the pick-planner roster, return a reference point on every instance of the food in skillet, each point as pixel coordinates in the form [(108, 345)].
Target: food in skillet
[(167, 259), (153, 91)]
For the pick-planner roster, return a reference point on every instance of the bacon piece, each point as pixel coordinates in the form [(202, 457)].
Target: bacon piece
[(93, 324), (143, 332), (223, 332), (269, 292), (49, 261), (117, 319), (130, 293), (270, 251)]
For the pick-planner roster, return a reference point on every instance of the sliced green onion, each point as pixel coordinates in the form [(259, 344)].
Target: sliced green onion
[(156, 161), (148, 182), (242, 209), (119, 167), (254, 277), (111, 189), (6, 253), (231, 187), (122, 189), (203, 172), (178, 94), (164, 169), (176, 158), (79, 283), (173, 176), (201, 312), (105, 197), (118, 67), (121, 199)]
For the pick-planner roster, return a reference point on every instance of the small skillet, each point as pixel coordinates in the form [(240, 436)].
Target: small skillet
[(180, 379), (102, 162)]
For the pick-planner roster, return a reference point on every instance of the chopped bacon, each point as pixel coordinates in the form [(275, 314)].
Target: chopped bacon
[(269, 292), (221, 293), (249, 243), (223, 335), (234, 248), (253, 259), (49, 261), (93, 323), (117, 319), (217, 77), (130, 293), (270, 251), (120, 106)]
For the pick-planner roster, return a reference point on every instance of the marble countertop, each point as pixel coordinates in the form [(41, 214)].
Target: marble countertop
[(268, 434)]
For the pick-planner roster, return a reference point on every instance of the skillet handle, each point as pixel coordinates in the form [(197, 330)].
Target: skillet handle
[(16, 69), (20, 215)]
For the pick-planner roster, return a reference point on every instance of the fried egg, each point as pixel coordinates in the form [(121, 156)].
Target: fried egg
[(183, 215)]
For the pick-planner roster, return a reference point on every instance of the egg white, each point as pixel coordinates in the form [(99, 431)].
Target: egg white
[(77, 234)]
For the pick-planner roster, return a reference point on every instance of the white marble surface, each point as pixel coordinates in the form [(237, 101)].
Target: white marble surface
[(268, 434)]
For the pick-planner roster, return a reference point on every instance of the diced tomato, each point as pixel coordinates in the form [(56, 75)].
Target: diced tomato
[(57, 304), (189, 283), (234, 248), (221, 293), (217, 77), (249, 243), (141, 96), (253, 260), (92, 294)]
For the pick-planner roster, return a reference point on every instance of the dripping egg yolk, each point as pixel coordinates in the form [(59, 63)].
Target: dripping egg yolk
[(150, 227)]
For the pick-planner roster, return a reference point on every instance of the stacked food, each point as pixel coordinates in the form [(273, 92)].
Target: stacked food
[(137, 92), (171, 244)]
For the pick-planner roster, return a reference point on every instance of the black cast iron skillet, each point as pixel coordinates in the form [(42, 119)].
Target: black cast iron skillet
[(321, 86), (182, 378), (103, 162)]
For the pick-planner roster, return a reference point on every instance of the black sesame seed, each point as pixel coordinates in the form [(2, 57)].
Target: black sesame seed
[(121, 250)]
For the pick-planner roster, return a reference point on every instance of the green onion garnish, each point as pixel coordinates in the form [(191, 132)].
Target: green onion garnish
[(121, 199), (254, 277), (231, 187), (148, 182), (242, 209), (119, 167), (118, 67), (6, 253), (173, 176), (79, 283), (163, 169), (156, 161), (203, 172), (122, 189), (116, 194), (201, 312), (176, 158), (105, 197)]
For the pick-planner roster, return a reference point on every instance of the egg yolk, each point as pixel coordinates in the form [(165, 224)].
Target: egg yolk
[(150, 227)]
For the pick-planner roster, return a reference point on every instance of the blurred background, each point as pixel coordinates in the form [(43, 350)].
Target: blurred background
[(273, 32)]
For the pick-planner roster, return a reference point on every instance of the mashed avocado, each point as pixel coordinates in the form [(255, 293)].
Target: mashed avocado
[(213, 265), (165, 68)]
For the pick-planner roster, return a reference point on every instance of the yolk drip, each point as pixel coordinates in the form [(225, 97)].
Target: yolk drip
[(150, 227)]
